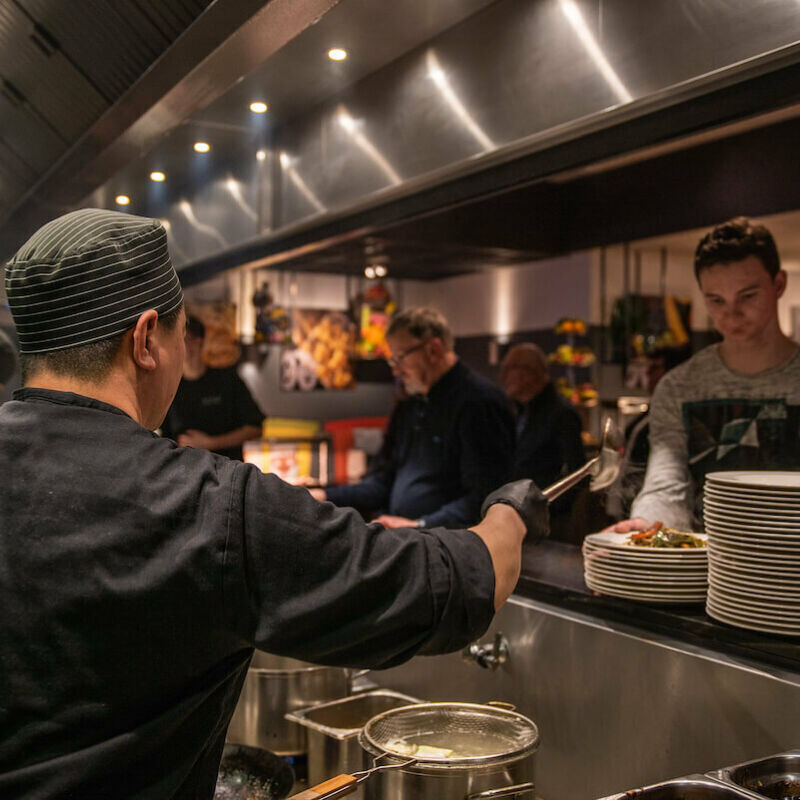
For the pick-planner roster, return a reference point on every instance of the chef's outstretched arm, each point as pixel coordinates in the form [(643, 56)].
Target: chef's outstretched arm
[(511, 513)]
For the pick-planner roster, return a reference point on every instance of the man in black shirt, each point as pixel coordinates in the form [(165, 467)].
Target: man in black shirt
[(549, 441), (137, 576), (448, 444), (212, 409)]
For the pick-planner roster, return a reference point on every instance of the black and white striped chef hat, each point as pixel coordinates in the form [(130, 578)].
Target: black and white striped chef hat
[(87, 276)]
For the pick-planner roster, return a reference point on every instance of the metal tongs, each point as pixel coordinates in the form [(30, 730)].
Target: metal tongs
[(604, 468), (344, 784)]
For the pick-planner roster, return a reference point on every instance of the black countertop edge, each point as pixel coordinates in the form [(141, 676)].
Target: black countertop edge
[(553, 573)]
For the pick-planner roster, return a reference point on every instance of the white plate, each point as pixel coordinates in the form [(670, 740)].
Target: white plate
[(756, 572), (646, 577), (624, 559), (748, 604), (748, 542), (756, 497), (765, 613), (752, 561), (762, 627), (619, 541), (787, 626), (736, 511), (787, 527), (784, 544), (648, 598), (725, 581), (648, 586), (757, 479)]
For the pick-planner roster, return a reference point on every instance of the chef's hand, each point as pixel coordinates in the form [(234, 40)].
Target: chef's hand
[(318, 494), (526, 499), (392, 521), (198, 439), (628, 525)]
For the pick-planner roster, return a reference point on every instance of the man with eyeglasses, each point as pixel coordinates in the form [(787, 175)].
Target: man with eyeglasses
[(448, 444)]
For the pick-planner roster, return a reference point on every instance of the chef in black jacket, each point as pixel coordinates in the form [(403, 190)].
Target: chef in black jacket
[(137, 576), (447, 445), (213, 408)]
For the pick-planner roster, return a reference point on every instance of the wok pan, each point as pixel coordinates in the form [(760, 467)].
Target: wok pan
[(251, 773)]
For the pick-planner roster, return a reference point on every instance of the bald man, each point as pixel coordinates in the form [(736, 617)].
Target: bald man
[(548, 428)]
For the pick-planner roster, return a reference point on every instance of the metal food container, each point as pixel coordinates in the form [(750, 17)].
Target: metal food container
[(775, 776), (274, 686), (333, 728), (492, 754), (692, 787)]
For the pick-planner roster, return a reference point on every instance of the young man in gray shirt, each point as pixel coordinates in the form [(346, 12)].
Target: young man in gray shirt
[(735, 404)]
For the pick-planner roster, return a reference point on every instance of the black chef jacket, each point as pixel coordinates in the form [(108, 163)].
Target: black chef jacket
[(443, 453), (136, 577), (217, 402)]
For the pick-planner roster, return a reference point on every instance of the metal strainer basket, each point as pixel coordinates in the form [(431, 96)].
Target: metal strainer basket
[(476, 734)]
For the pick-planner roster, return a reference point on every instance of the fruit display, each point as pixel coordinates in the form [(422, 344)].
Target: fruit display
[(568, 354), (570, 325), (373, 311), (572, 356)]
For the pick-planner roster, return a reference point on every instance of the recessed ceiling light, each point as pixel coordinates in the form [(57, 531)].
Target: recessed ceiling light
[(369, 272), (380, 271), (122, 200), (261, 155), (157, 176), (202, 147), (258, 107), (337, 54)]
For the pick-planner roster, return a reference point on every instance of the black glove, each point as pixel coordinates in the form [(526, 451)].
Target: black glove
[(526, 499)]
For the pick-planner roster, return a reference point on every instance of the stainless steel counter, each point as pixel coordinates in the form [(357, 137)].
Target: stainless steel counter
[(617, 705)]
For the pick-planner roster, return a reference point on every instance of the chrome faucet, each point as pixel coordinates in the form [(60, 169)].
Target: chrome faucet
[(488, 656)]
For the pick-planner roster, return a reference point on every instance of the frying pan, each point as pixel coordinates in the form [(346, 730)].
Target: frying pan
[(251, 773)]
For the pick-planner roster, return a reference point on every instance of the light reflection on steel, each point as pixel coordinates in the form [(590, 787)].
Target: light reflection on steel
[(354, 129), (575, 18), (297, 180), (442, 82)]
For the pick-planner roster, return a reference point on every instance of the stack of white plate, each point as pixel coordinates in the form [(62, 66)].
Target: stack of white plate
[(611, 565), (753, 523)]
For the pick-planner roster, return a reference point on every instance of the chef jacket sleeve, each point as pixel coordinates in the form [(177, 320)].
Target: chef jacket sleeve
[(667, 491), (313, 581), (486, 442)]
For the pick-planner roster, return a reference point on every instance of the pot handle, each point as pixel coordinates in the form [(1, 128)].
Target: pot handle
[(505, 791), (339, 786)]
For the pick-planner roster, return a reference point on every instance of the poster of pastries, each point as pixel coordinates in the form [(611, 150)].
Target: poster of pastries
[(221, 347), (323, 344)]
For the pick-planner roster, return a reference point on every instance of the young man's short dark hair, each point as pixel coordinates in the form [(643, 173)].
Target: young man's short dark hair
[(735, 240)]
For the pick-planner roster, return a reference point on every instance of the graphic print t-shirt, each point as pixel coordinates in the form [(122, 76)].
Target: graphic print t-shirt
[(706, 417)]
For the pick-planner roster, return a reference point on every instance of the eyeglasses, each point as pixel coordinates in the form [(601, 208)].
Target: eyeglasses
[(396, 361)]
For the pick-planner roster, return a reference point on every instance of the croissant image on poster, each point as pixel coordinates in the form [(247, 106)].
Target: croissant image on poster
[(323, 346)]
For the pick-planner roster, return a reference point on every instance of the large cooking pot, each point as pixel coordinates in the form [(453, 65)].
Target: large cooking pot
[(492, 752), (274, 686)]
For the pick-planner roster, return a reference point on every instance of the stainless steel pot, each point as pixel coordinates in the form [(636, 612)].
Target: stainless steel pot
[(275, 686), (492, 755)]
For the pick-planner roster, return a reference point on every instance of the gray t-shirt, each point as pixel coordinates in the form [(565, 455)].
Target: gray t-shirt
[(706, 417)]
